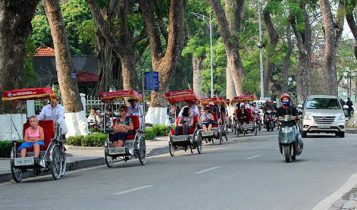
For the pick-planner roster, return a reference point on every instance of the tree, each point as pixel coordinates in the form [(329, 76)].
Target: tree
[(163, 62), (121, 42), (229, 21), (332, 33), (75, 116), (15, 27), (300, 23)]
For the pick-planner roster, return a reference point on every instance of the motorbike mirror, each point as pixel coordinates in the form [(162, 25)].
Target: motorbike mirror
[(300, 106)]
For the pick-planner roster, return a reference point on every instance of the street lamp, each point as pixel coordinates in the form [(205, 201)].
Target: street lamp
[(208, 21), (261, 52)]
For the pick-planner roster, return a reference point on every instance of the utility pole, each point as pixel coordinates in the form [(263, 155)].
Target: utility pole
[(261, 52)]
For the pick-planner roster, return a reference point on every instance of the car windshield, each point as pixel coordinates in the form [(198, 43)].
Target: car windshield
[(322, 103)]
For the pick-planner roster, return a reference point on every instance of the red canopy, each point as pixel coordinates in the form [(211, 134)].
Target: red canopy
[(121, 94), (26, 94), (239, 99), (181, 95), (215, 101)]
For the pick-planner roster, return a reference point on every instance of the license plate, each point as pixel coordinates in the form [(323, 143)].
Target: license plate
[(26, 161), (116, 151), (207, 133), (324, 126), (180, 138)]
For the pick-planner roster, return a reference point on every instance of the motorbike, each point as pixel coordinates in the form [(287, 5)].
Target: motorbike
[(290, 143), (269, 120), (258, 120)]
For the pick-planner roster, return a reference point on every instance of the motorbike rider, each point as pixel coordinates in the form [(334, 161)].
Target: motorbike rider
[(268, 106), (287, 108)]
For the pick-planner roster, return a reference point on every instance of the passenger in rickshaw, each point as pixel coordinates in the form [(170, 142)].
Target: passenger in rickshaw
[(223, 114), (122, 127), (34, 137), (185, 122), (244, 114), (254, 107), (193, 107), (207, 119)]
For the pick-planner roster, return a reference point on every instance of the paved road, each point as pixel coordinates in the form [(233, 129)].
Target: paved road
[(244, 173)]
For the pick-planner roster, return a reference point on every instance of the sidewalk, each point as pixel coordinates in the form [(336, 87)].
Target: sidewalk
[(351, 130), (84, 157)]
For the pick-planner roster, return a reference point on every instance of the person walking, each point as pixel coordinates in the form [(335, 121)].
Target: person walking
[(350, 108)]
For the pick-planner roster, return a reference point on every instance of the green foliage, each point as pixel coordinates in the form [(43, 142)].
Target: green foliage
[(161, 130), (92, 140), (31, 77), (41, 34), (149, 133), (5, 148)]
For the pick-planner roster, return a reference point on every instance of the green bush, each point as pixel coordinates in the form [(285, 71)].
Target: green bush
[(5, 148), (149, 133), (74, 140), (161, 130), (92, 140)]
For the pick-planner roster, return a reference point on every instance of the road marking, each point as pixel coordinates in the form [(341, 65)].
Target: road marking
[(327, 202), (251, 157), (206, 170), (132, 190)]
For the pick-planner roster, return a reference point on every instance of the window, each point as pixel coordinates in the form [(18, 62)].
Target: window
[(322, 103)]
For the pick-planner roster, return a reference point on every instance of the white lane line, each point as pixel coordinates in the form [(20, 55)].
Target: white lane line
[(132, 190), (251, 157), (206, 170)]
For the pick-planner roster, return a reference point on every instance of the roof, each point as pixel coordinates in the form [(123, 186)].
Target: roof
[(87, 77), (44, 51), (181, 95)]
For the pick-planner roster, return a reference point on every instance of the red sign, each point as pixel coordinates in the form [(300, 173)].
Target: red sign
[(26, 94)]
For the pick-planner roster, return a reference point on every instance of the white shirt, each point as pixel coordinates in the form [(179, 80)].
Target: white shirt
[(136, 110), (49, 113), (194, 111)]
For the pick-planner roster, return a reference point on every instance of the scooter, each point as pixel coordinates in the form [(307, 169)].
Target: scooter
[(269, 120), (258, 119), (290, 143)]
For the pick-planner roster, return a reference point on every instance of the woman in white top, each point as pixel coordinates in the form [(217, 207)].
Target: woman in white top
[(206, 119)]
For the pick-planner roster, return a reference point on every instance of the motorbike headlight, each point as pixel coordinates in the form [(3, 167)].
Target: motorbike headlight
[(286, 129), (307, 117), (341, 118)]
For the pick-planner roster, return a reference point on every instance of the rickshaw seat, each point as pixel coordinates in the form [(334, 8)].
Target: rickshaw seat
[(191, 130), (48, 130)]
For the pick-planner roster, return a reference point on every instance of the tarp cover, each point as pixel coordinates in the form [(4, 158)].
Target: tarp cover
[(181, 95), (27, 94), (121, 94), (239, 99)]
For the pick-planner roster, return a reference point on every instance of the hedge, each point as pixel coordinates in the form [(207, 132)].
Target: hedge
[(92, 140), (5, 148)]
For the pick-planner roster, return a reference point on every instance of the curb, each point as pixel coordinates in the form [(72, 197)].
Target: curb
[(353, 131), (86, 163)]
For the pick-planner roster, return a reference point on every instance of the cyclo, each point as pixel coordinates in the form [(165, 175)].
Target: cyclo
[(219, 127), (191, 140), (134, 145), (244, 122), (52, 156)]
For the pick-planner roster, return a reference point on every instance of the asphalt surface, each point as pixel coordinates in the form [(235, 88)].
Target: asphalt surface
[(244, 173)]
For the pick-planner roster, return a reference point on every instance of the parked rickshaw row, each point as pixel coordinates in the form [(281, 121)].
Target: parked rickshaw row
[(199, 120)]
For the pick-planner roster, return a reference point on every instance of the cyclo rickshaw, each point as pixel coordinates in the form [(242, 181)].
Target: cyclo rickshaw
[(244, 122), (219, 127), (52, 155), (185, 141), (134, 145)]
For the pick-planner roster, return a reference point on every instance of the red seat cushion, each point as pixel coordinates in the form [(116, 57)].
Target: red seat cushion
[(48, 129), (191, 130)]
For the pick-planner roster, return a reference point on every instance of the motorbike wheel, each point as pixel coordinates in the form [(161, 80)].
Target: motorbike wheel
[(287, 153), (255, 131), (271, 125), (260, 126)]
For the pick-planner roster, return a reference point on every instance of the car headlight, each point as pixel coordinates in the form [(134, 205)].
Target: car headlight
[(307, 117), (341, 118)]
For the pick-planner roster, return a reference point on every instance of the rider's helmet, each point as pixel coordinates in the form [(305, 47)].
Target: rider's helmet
[(268, 101), (254, 104), (242, 106), (285, 99)]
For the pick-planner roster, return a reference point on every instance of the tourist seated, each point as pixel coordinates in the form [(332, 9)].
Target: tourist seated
[(92, 118), (34, 137), (243, 114), (185, 122), (207, 119), (122, 127), (193, 107)]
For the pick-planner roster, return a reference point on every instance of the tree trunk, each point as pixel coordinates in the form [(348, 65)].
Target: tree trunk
[(273, 41), (332, 34), (105, 55), (74, 114), (351, 4), (163, 63), (287, 58), (303, 39), (121, 42), (197, 70), (15, 26), (229, 25)]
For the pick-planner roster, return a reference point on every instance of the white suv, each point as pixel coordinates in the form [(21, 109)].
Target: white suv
[(323, 114)]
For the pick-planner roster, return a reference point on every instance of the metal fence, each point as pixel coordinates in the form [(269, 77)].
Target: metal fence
[(93, 102)]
